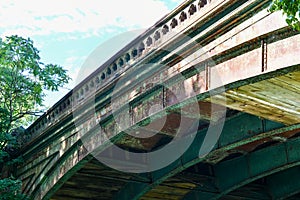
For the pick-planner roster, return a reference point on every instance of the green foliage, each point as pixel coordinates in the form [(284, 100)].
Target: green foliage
[(290, 8), (23, 80), (10, 189)]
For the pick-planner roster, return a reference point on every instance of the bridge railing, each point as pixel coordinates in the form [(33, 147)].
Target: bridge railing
[(135, 51)]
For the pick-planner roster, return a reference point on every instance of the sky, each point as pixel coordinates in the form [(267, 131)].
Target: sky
[(67, 32)]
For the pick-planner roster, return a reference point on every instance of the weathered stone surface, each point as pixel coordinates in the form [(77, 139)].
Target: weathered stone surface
[(144, 112)]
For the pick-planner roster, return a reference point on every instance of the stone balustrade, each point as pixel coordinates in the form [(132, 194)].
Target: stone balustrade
[(132, 53)]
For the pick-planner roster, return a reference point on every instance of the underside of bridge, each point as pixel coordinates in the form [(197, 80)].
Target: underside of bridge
[(256, 157), (225, 102)]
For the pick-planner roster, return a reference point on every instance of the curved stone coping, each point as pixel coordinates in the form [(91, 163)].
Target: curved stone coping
[(156, 36)]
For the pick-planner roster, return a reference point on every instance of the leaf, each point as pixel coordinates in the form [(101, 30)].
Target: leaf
[(23, 81), (290, 8)]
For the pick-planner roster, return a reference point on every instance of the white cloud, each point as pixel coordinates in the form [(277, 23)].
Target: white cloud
[(36, 17), (71, 64), (177, 1), (69, 20)]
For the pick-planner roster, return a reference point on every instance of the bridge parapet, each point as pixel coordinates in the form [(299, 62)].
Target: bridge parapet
[(181, 21), (154, 37)]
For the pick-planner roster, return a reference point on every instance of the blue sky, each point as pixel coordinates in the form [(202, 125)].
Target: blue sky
[(67, 31)]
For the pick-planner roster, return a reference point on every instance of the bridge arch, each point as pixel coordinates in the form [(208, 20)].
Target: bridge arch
[(253, 166), (62, 160)]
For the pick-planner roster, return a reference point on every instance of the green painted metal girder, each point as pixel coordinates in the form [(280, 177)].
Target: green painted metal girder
[(64, 178), (233, 174), (231, 197), (126, 192), (208, 196), (284, 184), (33, 178), (240, 127)]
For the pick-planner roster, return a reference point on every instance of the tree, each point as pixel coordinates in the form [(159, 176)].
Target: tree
[(23, 81), (10, 189), (291, 8)]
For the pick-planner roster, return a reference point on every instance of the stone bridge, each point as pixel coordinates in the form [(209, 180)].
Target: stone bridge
[(205, 104)]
